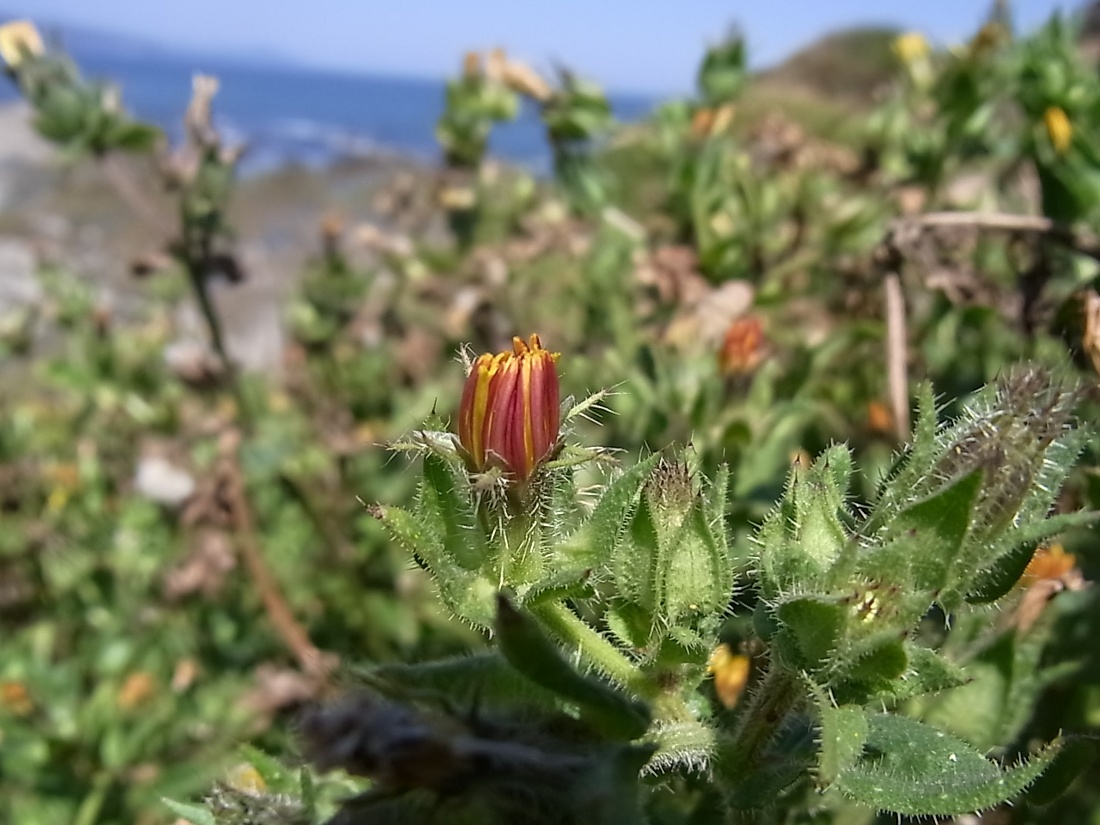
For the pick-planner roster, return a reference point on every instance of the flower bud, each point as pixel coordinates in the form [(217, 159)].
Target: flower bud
[(509, 414)]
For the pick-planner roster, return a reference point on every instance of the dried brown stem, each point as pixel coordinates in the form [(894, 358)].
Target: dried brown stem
[(312, 660), (897, 355), (1080, 241)]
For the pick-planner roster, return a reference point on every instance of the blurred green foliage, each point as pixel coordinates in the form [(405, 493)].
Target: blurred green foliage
[(717, 279)]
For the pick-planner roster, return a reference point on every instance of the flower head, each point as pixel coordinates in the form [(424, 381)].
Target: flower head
[(1059, 129), (743, 347), (731, 673), (18, 39), (910, 47), (509, 414)]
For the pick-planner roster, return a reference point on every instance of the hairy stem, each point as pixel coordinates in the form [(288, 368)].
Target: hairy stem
[(775, 696)]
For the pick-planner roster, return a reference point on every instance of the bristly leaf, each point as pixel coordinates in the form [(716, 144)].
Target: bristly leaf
[(844, 732), (595, 542), (918, 548), (995, 581), (531, 651), (194, 814), (908, 767)]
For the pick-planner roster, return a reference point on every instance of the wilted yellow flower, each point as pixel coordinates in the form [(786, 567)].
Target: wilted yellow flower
[(910, 47), (135, 690), (731, 673), (509, 413), (522, 79), (1050, 562), (1059, 129), (15, 697), (18, 39)]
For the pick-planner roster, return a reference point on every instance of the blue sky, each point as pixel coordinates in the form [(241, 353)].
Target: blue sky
[(643, 45)]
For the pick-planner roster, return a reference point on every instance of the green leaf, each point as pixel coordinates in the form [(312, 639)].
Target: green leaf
[(844, 731), (927, 536), (484, 677), (997, 580), (531, 651), (275, 776), (911, 768), (195, 814), (1073, 759)]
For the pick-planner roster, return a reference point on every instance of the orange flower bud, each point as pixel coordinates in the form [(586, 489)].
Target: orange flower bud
[(509, 413)]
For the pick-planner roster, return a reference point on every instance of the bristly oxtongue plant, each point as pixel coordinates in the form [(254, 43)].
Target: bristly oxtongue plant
[(603, 614)]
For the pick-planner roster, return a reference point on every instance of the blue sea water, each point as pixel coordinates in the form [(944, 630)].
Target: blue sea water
[(287, 114)]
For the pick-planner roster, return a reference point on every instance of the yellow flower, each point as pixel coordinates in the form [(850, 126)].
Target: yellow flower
[(1059, 129), (246, 778), (18, 39), (509, 414), (910, 47), (731, 673)]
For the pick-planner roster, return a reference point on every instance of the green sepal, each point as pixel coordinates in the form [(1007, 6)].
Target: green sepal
[(803, 537), (694, 573), (440, 496), (928, 672), (531, 651), (277, 778), (599, 539), (559, 586), (921, 544), (630, 624), (908, 767), (812, 630)]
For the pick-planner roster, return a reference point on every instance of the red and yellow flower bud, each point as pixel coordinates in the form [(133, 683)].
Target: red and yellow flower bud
[(509, 415)]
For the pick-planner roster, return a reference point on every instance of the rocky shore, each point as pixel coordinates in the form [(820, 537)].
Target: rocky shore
[(67, 214)]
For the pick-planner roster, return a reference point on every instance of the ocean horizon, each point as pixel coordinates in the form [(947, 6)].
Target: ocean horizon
[(288, 114)]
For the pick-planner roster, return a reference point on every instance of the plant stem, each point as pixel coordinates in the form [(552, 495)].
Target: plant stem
[(293, 635), (593, 648), (197, 277), (90, 806), (772, 700)]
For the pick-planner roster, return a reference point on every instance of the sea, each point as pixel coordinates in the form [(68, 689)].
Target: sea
[(288, 114)]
